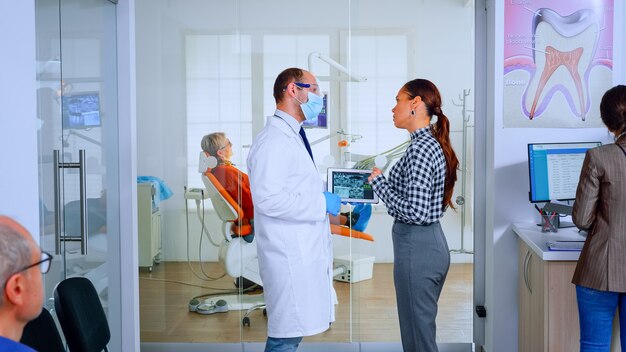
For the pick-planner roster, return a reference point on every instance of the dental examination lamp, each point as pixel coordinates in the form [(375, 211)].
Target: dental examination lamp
[(346, 138), (382, 160), (351, 76)]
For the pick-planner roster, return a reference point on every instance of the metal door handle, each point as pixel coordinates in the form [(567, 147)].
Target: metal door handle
[(58, 218), (526, 264), (526, 270), (82, 169)]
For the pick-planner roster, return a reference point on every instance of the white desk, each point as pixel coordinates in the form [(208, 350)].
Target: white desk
[(536, 240)]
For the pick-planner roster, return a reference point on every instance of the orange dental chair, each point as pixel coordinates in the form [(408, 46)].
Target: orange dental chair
[(236, 256)]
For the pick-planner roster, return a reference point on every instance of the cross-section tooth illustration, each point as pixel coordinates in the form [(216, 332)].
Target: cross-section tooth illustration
[(563, 49)]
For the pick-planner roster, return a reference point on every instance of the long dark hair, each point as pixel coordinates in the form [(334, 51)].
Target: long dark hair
[(429, 93)]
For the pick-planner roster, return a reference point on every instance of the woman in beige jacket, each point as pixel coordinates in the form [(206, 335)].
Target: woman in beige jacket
[(600, 208)]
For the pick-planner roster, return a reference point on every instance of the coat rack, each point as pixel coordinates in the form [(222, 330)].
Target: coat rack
[(460, 200)]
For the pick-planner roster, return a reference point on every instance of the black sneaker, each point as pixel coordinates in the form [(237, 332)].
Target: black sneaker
[(352, 218)]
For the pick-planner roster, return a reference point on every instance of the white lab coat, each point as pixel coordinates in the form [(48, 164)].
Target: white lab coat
[(292, 231)]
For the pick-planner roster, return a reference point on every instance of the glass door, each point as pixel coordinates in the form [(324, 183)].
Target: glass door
[(211, 67), (77, 139)]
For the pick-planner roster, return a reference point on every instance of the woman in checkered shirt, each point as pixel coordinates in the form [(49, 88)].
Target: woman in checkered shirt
[(417, 192)]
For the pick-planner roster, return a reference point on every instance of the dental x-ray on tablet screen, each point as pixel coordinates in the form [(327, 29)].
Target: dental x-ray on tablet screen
[(351, 185)]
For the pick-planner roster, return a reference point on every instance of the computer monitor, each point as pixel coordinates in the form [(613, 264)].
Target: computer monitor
[(321, 121), (554, 169), (81, 110)]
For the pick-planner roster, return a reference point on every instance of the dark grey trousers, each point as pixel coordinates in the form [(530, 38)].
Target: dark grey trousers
[(421, 262)]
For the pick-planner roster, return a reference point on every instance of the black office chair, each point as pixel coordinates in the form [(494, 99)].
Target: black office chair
[(81, 315), (42, 335)]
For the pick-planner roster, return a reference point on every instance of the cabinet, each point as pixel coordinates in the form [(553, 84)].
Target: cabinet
[(149, 226), (548, 312), (548, 316)]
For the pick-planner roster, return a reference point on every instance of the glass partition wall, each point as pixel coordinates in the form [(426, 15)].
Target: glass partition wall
[(209, 66), (77, 139)]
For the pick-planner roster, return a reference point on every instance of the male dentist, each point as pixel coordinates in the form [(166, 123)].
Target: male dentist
[(291, 221)]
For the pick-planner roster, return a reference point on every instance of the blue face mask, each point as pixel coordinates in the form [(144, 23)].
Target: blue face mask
[(313, 107)]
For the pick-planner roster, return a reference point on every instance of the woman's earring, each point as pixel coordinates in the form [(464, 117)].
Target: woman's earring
[(412, 112)]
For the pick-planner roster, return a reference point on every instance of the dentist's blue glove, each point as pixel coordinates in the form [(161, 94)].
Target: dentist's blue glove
[(333, 203)]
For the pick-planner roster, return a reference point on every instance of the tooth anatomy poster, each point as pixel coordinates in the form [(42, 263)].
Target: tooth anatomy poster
[(558, 60)]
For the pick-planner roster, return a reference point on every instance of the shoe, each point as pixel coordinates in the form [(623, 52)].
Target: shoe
[(352, 216), (210, 308), (245, 284), (365, 213)]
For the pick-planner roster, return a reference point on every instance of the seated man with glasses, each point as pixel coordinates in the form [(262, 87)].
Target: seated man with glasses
[(22, 264)]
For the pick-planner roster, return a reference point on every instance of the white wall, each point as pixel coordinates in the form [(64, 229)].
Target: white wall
[(19, 194), (507, 166), (161, 26)]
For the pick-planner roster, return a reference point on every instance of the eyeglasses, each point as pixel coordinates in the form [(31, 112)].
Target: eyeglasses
[(46, 259), (313, 87), (228, 144)]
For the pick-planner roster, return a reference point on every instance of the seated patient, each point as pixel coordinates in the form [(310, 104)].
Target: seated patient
[(237, 184)]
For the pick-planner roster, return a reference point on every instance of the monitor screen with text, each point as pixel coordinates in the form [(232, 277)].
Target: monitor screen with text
[(554, 169)]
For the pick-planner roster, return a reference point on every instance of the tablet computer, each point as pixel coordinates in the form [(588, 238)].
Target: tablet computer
[(351, 185)]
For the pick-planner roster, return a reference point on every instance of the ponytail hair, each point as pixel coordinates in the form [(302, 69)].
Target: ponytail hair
[(441, 131), (431, 97)]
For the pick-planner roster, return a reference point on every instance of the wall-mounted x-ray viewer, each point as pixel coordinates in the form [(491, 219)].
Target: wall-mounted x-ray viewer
[(81, 110), (351, 76)]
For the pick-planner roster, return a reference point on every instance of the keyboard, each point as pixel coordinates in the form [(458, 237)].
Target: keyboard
[(565, 246)]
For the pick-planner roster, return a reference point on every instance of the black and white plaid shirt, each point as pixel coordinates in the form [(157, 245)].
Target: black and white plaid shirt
[(414, 191)]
